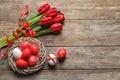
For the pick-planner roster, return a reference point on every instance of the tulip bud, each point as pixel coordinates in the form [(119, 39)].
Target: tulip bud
[(46, 20), (43, 8), (56, 27), (59, 18), (51, 12)]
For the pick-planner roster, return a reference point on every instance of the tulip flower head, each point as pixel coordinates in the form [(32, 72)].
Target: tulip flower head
[(46, 21), (51, 12), (44, 8), (59, 18), (56, 27)]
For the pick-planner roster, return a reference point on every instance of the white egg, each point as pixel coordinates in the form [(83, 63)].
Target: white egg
[(51, 59), (17, 53)]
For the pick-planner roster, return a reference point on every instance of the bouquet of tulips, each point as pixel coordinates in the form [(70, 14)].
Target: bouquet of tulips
[(46, 20)]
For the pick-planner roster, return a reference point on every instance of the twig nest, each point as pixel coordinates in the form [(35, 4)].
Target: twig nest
[(27, 55)]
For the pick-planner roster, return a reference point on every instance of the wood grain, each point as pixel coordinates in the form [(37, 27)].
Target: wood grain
[(83, 58), (62, 2), (91, 35), (84, 33), (88, 9), (64, 75)]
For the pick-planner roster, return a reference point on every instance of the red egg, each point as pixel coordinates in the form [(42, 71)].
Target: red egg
[(34, 49), (21, 63), (61, 54), (32, 60), (24, 44), (26, 53)]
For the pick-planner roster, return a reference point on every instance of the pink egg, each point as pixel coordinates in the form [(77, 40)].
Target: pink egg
[(32, 60)]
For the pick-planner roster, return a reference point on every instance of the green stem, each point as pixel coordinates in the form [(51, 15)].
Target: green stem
[(35, 20), (37, 28), (43, 32), (32, 21), (11, 37), (31, 17)]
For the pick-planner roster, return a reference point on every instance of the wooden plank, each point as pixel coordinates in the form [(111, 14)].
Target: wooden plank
[(64, 75), (80, 9), (86, 33), (72, 3), (81, 58), (88, 58)]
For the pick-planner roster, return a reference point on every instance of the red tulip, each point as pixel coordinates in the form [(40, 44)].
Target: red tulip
[(51, 12), (46, 20), (32, 60), (56, 27), (43, 8), (59, 18)]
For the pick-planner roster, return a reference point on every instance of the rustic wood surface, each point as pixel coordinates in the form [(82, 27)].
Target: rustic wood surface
[(91, 35)]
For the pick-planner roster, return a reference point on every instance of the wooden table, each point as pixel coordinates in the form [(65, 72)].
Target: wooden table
[(91, 36)]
